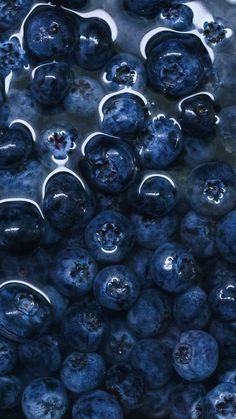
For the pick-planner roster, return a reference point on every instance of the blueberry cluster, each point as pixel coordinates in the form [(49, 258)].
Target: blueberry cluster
[(117, 209)]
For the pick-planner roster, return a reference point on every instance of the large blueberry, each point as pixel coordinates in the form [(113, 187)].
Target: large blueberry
[(220, 402), (15, 145), (98, 404), (125, 70), (226, 236)]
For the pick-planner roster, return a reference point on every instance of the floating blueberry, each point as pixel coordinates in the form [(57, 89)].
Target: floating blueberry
[(125, 70), (99, 404), (16, 143)]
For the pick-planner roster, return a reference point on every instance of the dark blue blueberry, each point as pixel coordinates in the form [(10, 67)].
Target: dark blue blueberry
[(59, 303), (151, 232), (11, 388), (222, 82), (214, 32), (173, 268), (82, 372), (177, 16), (226, 237), (196, 151), (109, 163), (94, 46), (109, 237), (98, 404), (160, 145), (155, 403), (50, 83), (8, 356), (177, 64), (227, 128), (15, 145), (123, 115), (139, 262), (41, 357), (21, 226), (126, 384), (220, 402), (25, 312), (150, 314), (153, 194), (217, 271), (223, 300), (195, 356), (49, 33), (183, 400), (143, 7), (12, 56), (153, 360), (211, 189), (171, 336), (191, 309), (73, 272), (84, 326), (44, 398), (119, 342), (125, 70), (199, 234), (12, 13), (116, 287), (225, 334), (22, 105), (68, 202), (227, 372)]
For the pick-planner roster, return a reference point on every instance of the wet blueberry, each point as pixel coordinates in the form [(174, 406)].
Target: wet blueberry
[(15, 145), (125, 70), (177, 16), (12, 12)]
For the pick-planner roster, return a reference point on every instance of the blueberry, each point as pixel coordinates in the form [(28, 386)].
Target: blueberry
[(223, 300), (197, 150), (107, 201), (84, 326), (191, 309), (220, 402), (222, 81), (59, 303), (123, 115), (73, 272), (12, 13), (119, 342), (143, 7), (11, 388), (22, 105), (153, 360), (177, 16), (41, 357), (125, 70), (227, 372), (211, 189), (183, 399), (195, 356), (153, 194), (160, 145), (109, 163), (8, 356), (214, 32), (109, 237), (225, 237), (227, 128), (94, 46), (139, 262), (82, 372), (50, 83), (177, 64), (225, 334), (150, 314), (15, 145), (44, 398), (173, 268), (217, 271), (12, 56), (99, 404)]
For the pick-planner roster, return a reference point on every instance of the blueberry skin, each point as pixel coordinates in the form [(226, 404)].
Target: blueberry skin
[(110, 202), (16, 143), (155, 403), (13, 13), (199, 234), (8, 356), (191, 309), (82, 372), (223, 300), (44, 398), (152, 232), (160, 145), (225, 334), (50, 83), (196, 355), (49, 33), (11, 388), (173, 268), (177, 64), (22, 105), (126, 384), (211, 189), (178, 17), (153, 194), (220, 402), (99, 404), (217, 271), (12, 56), (59, 303), (196, 150), (109, 237), (146, 8), (139, 262), (84, 326), (123, 115), (153, 360), (225, 237), (73, 272), (214, 32), (21, 226), (94, 46), (227, 128), (109, 164), (119, 342), (183, 399), (116, 287), (125, 70)]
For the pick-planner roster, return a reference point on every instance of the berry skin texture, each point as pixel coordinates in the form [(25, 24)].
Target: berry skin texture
[(125, 70), (139, 262), (119, 342), (15, 145), (99, 404), (12, 56), (227, 128), (146, 8), (178, 17), (12, 13), (8, 356), (196, 355), (196, 151), (220, 402), (223, 301), (11, 388), (184, 398), (225, 237)]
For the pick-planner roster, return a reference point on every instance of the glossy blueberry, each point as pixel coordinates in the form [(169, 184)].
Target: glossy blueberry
[(44, 398), (94, 46), (199, 234), (139, 262), (109, 237), (214, 32), (84, 326), (150, 314), (119, 342), (223, 300), (116, 287), (109, 163), (225, 334), (99, 404), (225, 237), (173, 268), (227, 128), (177, 64), (15, 145), (59, 303), (126, 384), (73, 272), (8, 356), (160, 145), (50, 83), (177, 16), (191, 309), (153, 194), (220, 402), (211, 189), (151, 232), (125, 70), (196, 150), (195, 356), (11, 388), (183, 400), (123, 115), (12, 56), (143, 7), (41, 357), (82, 372), (12, 12), (153, 360)]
